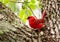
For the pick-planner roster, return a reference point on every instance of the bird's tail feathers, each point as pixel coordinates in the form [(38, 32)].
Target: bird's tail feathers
[(43, 14)]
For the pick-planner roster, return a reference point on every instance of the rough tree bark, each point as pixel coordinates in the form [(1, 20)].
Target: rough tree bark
[(19, 32), (52, 33)]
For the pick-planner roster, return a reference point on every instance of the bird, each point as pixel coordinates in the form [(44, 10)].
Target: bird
[(35, 23)]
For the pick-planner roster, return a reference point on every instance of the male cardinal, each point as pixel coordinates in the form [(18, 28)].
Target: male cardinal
[(36, 23)]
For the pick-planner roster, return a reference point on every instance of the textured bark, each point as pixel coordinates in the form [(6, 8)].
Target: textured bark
[(52, 33), (15, 31)]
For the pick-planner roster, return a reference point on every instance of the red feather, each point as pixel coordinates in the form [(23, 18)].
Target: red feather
[(36, 23)]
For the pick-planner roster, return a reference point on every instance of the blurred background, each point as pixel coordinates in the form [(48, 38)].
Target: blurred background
[(24, 8)]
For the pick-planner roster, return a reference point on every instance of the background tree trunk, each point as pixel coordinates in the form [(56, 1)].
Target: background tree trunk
[(52, 33), (16, 31)]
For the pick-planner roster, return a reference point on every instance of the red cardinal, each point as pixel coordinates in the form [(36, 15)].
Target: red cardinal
[(36, 23)]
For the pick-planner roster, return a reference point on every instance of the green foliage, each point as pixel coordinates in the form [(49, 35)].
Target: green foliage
[(27, 6), (23, 14), (4, 1), (12, 6), (32, 5), (26, 9)]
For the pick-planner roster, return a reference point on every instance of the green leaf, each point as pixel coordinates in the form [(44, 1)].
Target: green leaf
[(24, 6), (4, 1), (13, 0), (24, 18), (29, 12), (33, 1), (32, 6), (12, 6), (39, 5), (21, 13)]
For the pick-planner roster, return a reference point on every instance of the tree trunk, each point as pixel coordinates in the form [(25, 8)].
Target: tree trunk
[(52, 21), (15, 31)]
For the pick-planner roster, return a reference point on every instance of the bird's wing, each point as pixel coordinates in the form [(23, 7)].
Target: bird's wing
[(37, 21)]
